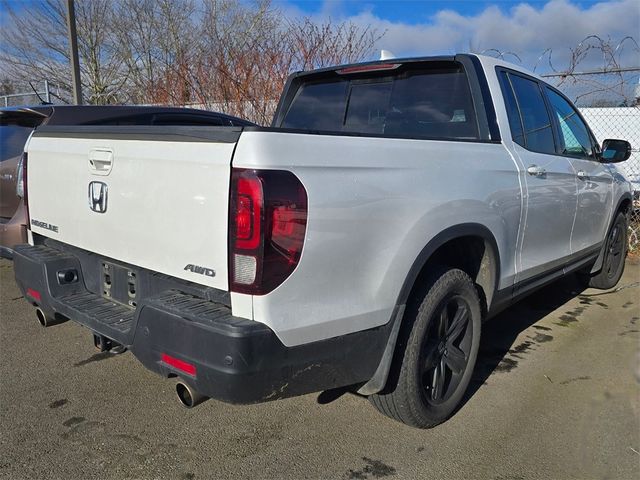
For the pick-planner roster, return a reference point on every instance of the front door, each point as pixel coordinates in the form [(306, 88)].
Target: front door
[(594, 181), (549, 184)]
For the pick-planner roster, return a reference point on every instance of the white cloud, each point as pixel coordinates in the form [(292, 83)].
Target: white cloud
[(524, 29)]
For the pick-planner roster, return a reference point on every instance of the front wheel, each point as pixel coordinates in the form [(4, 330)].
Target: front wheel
[(615, 252), (438, 354)]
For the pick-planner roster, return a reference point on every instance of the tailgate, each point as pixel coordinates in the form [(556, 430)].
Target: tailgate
[(156, 197)]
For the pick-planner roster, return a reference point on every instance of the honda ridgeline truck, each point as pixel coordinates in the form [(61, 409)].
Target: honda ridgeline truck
[(359, 242)]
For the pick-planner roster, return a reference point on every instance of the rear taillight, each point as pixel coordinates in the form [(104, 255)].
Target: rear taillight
[(21, 185), (248, 212), (267, 225), (20, 175)]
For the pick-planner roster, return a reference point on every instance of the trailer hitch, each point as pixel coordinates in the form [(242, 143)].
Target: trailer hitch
[(104, 344)]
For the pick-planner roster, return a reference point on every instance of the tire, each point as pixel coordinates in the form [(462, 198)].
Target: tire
[(436, 354), (615, 252)]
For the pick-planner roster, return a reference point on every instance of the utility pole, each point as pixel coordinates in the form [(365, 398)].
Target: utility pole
[(47, 92), (73, 52)]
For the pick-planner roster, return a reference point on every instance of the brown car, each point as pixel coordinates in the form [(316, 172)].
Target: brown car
[(16, 124)]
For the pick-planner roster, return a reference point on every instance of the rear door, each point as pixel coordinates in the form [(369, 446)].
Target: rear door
[(550, 183), (154, 197), (594, 181)]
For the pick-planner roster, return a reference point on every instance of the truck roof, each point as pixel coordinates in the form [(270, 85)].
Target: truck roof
[(485, 60)]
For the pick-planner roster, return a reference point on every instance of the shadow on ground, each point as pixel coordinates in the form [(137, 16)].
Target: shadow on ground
[(498, 352)]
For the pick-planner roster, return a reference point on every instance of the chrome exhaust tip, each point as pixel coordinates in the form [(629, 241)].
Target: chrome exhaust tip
[(188, 397), (42, 318), (46, 320)]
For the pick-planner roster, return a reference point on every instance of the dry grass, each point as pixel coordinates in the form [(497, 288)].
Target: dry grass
[(634, 233)]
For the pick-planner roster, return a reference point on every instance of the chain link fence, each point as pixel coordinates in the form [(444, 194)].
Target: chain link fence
[(634, 229), (610, 102), (9, 98)]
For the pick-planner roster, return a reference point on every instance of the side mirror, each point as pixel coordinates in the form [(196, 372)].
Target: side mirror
[(614, 151)]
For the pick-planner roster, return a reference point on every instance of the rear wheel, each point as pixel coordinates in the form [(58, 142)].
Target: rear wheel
[(614, 256), (438, 355)]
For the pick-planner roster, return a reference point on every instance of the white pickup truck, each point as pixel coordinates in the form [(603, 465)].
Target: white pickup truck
[(358, 242)]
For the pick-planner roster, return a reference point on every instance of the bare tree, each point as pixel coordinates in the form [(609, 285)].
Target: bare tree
[(247, 52), (35, 47), (236, 65), (154, 39), (7, 86), (100, 61), (317, 45), (227, 55)]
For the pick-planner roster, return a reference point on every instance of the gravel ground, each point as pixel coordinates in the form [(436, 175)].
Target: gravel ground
[(555, 395)]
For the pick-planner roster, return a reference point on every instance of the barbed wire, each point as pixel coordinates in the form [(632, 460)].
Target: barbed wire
[(501, 54)]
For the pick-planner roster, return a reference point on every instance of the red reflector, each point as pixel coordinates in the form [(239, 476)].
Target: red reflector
[(368, 68), (34, 294), (178, 364)]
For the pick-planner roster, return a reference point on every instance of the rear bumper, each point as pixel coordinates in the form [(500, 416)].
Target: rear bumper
[(235, 360)]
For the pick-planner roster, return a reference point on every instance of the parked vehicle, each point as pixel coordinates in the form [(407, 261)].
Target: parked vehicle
[(16, 124), (359, 242)]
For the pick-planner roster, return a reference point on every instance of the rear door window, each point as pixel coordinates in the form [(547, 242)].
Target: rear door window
[(417, 102), (536, 132), (515, 122)]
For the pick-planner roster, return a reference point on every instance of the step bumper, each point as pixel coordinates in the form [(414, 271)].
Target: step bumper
[(177, 334)]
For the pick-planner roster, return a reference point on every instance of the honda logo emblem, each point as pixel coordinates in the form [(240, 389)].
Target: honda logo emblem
[(98, 197)]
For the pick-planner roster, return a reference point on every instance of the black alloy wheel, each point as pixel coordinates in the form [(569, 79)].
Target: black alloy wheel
[(446, 351)]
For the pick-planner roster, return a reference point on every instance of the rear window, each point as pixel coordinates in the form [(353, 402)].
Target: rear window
[(318, 106), (429, 102), (12, 140)]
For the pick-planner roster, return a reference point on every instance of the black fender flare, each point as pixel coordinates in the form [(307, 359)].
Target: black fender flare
[(451, 233)]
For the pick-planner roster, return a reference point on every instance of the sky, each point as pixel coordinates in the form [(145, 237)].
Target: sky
[(526, 28), (410, 11)]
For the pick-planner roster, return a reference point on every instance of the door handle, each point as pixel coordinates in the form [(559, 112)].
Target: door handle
[(100, 161), (536, 171), (582, 175)]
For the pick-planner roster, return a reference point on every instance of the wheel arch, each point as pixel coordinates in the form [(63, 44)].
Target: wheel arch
[(483, 267), (485, 272), (624, 205)]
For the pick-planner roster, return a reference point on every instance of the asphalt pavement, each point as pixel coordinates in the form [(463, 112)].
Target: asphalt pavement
[(556, 395)]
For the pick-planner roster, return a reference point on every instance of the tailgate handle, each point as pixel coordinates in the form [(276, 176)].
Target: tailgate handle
[(100, 161)]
